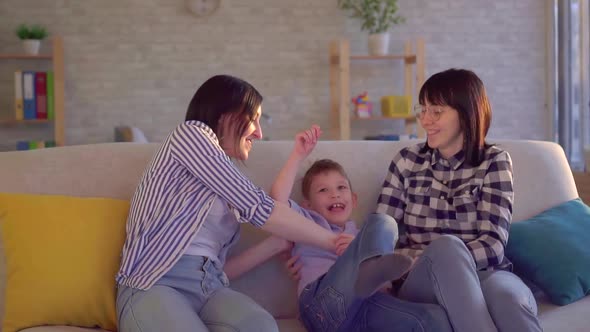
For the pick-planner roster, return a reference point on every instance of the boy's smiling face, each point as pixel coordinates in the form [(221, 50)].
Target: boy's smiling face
[(331, 196)]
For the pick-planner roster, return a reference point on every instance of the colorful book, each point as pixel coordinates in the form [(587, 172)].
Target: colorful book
[(50, 96), (18, 95), (22, 145), (41, 94), (32, 145), (29, 107)]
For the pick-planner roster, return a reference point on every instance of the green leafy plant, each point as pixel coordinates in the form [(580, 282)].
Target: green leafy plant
[(377, 16), (24, 31)]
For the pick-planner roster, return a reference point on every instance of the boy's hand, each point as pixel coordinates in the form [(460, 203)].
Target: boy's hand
[(306, 141), (342, 242), (293, 266)]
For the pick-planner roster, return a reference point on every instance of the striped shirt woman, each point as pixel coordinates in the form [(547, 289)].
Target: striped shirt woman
[(175, 195), (184, 218)]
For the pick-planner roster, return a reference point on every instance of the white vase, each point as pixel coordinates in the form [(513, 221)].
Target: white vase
[(31, 46), (379, 43)]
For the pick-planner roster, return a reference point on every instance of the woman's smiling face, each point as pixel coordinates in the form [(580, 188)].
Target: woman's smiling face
[(253, 131)]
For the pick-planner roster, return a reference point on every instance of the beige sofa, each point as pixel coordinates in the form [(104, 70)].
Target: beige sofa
[(113, 170)]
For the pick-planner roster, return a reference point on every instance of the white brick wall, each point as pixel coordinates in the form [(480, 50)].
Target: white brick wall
[(138, 62)]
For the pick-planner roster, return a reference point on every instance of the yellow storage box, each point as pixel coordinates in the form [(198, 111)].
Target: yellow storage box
[(396, 106)]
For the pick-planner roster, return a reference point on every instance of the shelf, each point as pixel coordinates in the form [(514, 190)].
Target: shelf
[(24, 57), (12, 122), (373, 118), (55, 58), (340, 83), (407, 58)]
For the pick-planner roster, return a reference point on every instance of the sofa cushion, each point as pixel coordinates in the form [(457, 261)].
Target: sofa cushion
[(551, 250), (62, 254)]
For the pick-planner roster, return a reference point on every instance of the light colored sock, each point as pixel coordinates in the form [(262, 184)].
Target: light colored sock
[(376, 271)]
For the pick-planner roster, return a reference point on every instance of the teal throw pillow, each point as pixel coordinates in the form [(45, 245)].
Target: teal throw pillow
[(552, 250)]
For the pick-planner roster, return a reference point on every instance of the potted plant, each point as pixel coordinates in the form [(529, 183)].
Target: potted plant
[(31, 37), (377, 17)]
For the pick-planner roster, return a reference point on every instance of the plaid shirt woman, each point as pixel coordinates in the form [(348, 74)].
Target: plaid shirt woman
[(452, 197)]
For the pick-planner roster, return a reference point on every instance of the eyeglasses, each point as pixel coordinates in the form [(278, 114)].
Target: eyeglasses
[(434, 111)]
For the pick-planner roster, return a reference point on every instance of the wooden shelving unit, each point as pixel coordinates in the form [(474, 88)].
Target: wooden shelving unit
[(340, 61), (379, 118), (13, 122), (57, 59), (24, 57)]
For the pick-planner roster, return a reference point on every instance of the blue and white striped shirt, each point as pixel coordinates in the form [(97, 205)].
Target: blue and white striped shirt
[(174, 197)]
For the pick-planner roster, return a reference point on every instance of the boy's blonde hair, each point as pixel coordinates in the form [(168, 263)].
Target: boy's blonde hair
[(319, 167)]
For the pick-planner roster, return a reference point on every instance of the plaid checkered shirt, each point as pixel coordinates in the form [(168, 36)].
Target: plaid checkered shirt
[(430, 196)]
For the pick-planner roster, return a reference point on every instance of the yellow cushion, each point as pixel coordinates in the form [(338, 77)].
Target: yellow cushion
[(62, 254)]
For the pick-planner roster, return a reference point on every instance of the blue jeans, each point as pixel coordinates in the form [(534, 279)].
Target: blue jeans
[(475, 301), (331, 304), (192, 297)]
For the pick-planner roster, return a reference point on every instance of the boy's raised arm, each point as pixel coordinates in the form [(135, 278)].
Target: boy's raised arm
[(237, 265), (305, 142)]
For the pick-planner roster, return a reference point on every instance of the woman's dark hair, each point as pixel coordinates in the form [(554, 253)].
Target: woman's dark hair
[(221, 96), (462, 90)]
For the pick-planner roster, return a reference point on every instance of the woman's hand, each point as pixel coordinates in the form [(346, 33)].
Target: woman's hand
[(342, 242), (306, 141), (293, 266)]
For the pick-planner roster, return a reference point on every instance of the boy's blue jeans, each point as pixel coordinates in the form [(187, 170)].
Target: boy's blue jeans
[(330, 303)]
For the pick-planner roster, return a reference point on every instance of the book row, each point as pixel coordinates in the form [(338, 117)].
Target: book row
[(34, 95), (32, 145)]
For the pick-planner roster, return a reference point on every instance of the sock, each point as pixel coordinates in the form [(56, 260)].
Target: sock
[(374, 272)]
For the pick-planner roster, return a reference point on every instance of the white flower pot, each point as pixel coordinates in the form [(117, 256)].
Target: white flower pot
[(379, 43), (31, 46)]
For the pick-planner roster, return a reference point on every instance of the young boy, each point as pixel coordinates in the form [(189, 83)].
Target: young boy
[(338, 292)]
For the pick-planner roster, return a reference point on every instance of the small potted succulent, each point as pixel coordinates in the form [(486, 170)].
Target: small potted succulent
[(377, 17), (31, 37)]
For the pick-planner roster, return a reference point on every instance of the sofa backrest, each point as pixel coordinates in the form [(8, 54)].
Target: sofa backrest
[(542, 176), (542, 179)]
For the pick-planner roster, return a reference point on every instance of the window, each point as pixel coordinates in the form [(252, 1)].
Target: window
[(569, 73)]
